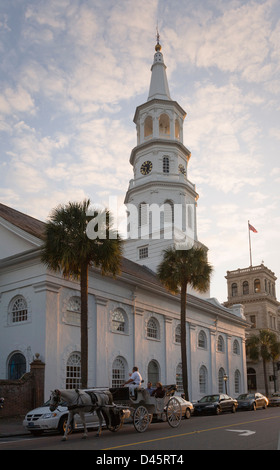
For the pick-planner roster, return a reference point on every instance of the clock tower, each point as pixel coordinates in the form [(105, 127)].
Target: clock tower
[(160, 200)]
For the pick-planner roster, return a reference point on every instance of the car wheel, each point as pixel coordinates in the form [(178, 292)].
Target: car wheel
[(62, 425), (188, 413)]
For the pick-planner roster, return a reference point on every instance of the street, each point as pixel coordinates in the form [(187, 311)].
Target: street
[(245, 430)]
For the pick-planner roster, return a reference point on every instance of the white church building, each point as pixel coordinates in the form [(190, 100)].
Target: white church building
[(133, 319)]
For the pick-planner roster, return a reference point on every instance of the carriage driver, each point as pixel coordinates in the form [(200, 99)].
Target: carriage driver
[(134, 381)]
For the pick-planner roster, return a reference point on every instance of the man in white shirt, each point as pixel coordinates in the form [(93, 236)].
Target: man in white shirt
[(134, 381)]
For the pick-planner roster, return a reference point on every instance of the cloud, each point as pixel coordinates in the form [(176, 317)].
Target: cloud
[(16, 100)]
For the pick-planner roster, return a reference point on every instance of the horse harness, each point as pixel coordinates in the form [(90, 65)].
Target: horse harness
[(97, 400)]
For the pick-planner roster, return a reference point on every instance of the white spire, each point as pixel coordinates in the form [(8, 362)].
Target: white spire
[(159, 86)]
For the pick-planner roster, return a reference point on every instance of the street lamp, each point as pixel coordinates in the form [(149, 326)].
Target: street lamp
[(225, 380)]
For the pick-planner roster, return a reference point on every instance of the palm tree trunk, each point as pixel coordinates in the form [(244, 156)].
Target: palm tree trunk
[(84, 325), (265, 377), (184, 341)]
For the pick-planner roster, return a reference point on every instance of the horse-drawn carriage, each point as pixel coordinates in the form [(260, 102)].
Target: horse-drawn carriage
[(115, 404), (145, 408)]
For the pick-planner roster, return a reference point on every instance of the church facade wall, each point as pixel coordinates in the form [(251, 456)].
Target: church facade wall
[(147, 337)]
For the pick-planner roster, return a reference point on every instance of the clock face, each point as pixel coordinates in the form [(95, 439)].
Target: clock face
[(146, 167), (182, 169)]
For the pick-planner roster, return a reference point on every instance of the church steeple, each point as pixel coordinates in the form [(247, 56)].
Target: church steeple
[(160, 200), (159, 85)]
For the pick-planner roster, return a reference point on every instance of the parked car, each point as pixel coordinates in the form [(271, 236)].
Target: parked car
[(275, 399), (187, 407), (251, 401), (42, 419), (215, 404)]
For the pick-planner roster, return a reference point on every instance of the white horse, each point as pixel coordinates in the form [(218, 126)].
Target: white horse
[(81, 402)]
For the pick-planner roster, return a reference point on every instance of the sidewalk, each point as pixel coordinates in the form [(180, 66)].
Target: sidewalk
[(12, 427)]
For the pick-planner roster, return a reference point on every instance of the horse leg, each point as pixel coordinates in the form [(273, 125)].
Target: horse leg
[(83, 419), (100, 417), (70, 417)]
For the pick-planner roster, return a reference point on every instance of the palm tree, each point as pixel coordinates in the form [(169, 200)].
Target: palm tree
[(178, 269), (266, 346), (69, 250)]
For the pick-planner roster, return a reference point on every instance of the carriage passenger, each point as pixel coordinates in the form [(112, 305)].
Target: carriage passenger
[(159, 392)]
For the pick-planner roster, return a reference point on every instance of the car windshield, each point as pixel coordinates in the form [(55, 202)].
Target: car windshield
[(246, 396), (277, 394), (209, 399)]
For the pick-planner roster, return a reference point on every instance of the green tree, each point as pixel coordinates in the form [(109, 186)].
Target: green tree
[(264, 346), (178, 270), (74, 241)]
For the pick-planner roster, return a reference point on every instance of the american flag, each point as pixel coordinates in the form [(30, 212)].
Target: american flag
[(252, 228)]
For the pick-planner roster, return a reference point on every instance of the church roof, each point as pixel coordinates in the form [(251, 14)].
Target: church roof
[(36, 228), (25, 222)]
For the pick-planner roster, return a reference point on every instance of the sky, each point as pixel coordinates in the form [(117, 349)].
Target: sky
[(72, 73)]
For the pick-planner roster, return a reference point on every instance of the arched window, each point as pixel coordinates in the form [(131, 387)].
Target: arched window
[(234, 291), (164, 125), (236, 347), (257, 286), (245, 288), (165, 164), (221, 380), (119, 371), (178, 334), (220, 344), (190, 216), (153, 372), (143, 214), (18, 310), (203, 380), (16, 366), (119, 321), (168, 213), (202, 340), (148, 127), (153, 328), (73, 371), (237, 381), (179, 378)]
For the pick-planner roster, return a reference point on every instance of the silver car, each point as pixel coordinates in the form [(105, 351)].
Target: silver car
[(275, 399), (42, 419)]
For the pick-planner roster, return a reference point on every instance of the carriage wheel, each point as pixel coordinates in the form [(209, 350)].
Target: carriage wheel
[(173, 412), (141, 419)]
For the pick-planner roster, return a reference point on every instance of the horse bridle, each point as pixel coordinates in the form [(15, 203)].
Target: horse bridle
[(56, 398)]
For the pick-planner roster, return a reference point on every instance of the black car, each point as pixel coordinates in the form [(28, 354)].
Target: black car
[(215, 404), (251, 401)]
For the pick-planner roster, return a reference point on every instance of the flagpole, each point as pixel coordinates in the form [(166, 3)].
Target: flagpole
[(250, 243)]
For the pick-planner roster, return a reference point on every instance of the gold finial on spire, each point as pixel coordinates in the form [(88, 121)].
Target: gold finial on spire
[(158, 46)]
